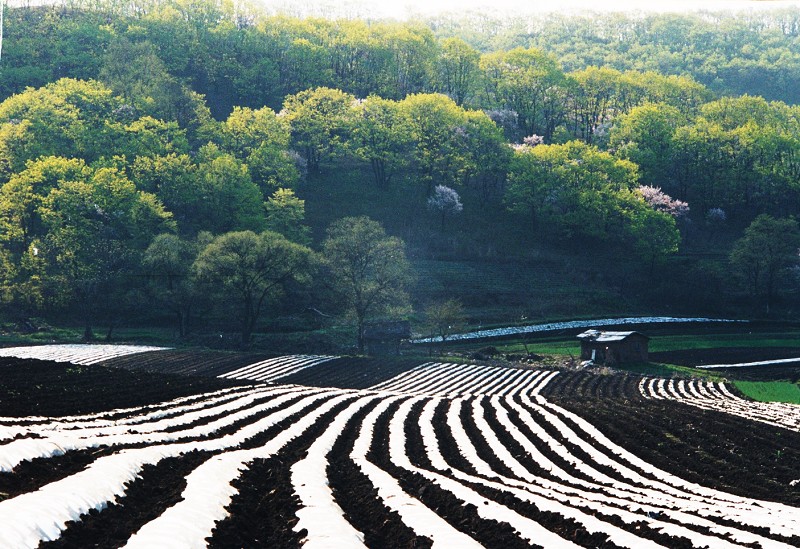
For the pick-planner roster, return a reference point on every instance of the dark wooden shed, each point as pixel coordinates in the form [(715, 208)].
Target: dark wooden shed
[(384, 338), (613, 347)]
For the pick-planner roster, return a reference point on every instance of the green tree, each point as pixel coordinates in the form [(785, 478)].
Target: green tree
[(251, 271), (655, 234), (381, 135), (260, 139), (530, 83), (645, 136), (66, 118), (457, 69), (225, 198), (96, 229), (369, 269), (286, 215), (445, 318), (768, 247), (320, 120), (167, 262), (575, 189)]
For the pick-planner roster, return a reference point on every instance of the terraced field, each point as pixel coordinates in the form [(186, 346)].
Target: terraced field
[(382, 454)]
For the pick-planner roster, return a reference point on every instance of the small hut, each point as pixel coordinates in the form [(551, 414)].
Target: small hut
[(613, 347), (384, 338)]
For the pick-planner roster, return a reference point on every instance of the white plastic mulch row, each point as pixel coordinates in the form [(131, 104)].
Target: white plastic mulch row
[(462, 379), (276, 368), (513, 330), (748, 364), (84, 354), (605, 489), (716, 396), (30, 518)]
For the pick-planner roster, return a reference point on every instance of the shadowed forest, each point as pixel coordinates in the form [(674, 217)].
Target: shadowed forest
[(209, 169)]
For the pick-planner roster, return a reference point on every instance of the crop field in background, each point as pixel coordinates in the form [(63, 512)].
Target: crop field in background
[(196, 448)]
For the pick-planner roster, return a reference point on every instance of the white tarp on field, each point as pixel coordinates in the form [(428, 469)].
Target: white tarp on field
[(513, 330)]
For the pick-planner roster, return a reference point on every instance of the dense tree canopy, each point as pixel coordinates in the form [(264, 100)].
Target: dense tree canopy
[(136, 137)]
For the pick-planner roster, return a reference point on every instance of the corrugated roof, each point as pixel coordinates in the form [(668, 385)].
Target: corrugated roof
[(606, 337)]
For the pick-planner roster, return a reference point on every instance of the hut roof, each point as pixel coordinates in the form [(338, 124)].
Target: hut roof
[(607, 337)]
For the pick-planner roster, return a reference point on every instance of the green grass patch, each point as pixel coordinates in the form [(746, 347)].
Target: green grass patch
[(667, 370), (712, 341), (770, 391)]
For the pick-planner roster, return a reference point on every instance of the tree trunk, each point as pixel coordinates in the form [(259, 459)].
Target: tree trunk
[(360, 322), (88, 334), (181, 324), (109, 331), (247, 335)]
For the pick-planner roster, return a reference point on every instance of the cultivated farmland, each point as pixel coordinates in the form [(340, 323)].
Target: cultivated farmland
[(334, 452)]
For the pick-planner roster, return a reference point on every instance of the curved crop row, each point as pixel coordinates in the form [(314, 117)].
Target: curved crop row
[(716, 396), (76, 353), (276, 368), (444, 379), (450, 456)]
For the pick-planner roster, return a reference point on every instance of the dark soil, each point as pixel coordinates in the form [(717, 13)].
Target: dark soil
[(359, 499), (186, 362), (29, 476), (35, 387), (352, 372), (709, 448), (158, 488)]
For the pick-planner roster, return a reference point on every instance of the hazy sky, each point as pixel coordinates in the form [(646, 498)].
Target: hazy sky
[(401, 8)]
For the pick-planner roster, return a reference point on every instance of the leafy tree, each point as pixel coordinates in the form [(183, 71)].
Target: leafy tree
[(645, 136), (369, 269), (66, 118), (167, 262), (251, 271), (286, 215), (529, 82), (457, 69), (135, 73), (260, 139), (594, 94), (320, 120), (577, 189), (655, 235), (445, 318), (769, 246), (225, 197), (95, 230), (22, 197), (381, 135)]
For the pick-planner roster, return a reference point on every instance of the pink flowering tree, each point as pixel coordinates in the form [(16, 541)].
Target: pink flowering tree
[(662, 202)]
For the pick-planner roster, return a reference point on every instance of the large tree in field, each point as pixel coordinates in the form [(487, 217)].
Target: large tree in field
[(369, 269), (252, 270), (768, 247), (172, 283), (95, 229)]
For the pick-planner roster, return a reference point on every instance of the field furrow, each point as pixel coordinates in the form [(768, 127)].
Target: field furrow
[(438, 455), (716, 396)]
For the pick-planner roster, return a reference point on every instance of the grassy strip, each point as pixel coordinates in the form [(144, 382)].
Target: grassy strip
[(770, 391), (668, 370), (711, 341)]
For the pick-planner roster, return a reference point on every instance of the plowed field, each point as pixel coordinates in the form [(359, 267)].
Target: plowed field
[(334, 452)]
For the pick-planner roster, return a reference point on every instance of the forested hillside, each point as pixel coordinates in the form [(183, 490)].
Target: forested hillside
[(205, 165)]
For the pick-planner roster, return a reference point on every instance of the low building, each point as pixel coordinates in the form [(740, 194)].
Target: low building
[(613, 347), (384, 338)]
